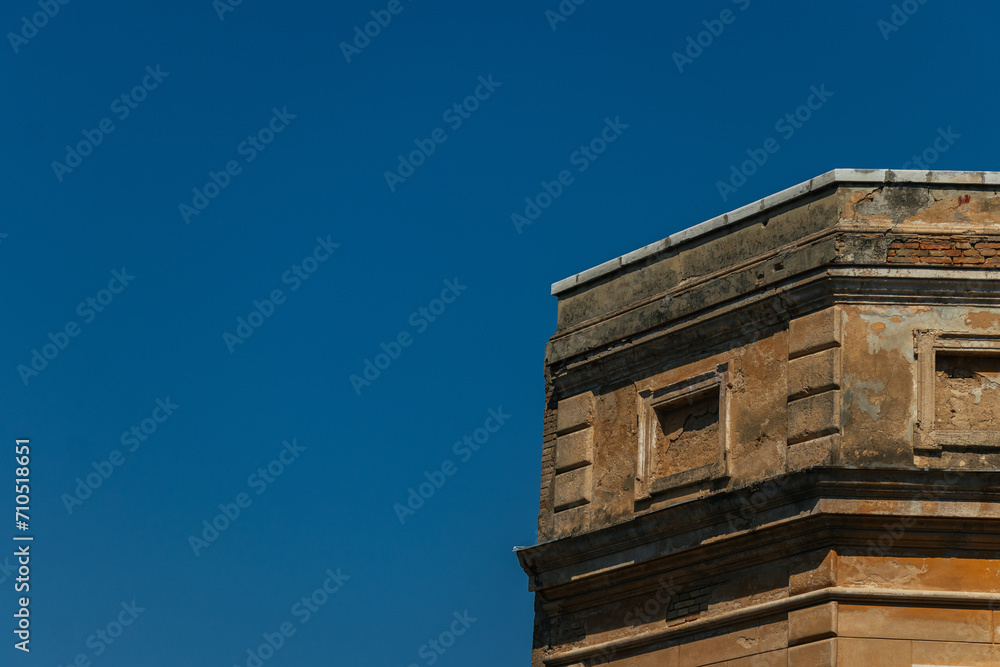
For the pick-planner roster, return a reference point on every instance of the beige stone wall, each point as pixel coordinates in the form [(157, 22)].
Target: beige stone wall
[(838, 635), (884, 385), (750, 435), (841, 386), (593, 467), (864, 650)]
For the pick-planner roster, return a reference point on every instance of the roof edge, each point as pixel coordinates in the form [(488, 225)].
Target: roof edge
[(831, 177)]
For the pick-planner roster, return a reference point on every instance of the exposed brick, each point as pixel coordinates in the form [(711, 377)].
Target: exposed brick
[(953, 253), (935, 246), (935, 260), (911, 244)]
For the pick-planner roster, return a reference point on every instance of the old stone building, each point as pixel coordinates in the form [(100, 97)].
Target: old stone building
[(773, 438)]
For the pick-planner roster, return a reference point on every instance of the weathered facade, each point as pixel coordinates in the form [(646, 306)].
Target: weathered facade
[(774, 438)]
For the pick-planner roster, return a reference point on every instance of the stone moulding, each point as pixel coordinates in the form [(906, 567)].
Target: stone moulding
[(927, 345), (677, 395), (836, 594), (803, 513), (787, 196)]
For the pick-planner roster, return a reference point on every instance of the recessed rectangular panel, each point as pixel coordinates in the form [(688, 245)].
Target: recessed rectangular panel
[(967, 392), (687, 434)]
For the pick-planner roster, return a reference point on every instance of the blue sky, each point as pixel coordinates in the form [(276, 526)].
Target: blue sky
[(202, 246)]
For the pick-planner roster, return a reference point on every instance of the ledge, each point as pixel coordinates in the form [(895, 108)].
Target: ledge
[(719, 519), (830, 178), (843, 594)]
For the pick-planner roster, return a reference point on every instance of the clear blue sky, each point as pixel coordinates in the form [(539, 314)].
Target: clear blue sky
[(270, 139)]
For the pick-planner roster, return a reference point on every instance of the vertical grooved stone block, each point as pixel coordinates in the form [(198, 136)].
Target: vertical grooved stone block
[(881, 652), (575, 449), (814, 416), (573, 488), (814, 332), (817, 654), (571, 521), (926, 623), (573, 413), (816, 452), (814, 373), (811, 624), (953, 653)]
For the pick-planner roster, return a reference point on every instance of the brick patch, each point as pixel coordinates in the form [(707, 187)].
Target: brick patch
[(956, 250)]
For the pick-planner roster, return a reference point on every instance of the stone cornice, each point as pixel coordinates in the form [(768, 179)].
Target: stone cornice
[(798, 512), (827, 181), (845, 594), (640, 339)]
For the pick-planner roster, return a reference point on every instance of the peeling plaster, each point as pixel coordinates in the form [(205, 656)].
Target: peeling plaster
[(860, 393)]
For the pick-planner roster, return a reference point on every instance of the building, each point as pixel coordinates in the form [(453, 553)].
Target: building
[(773, 438)]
